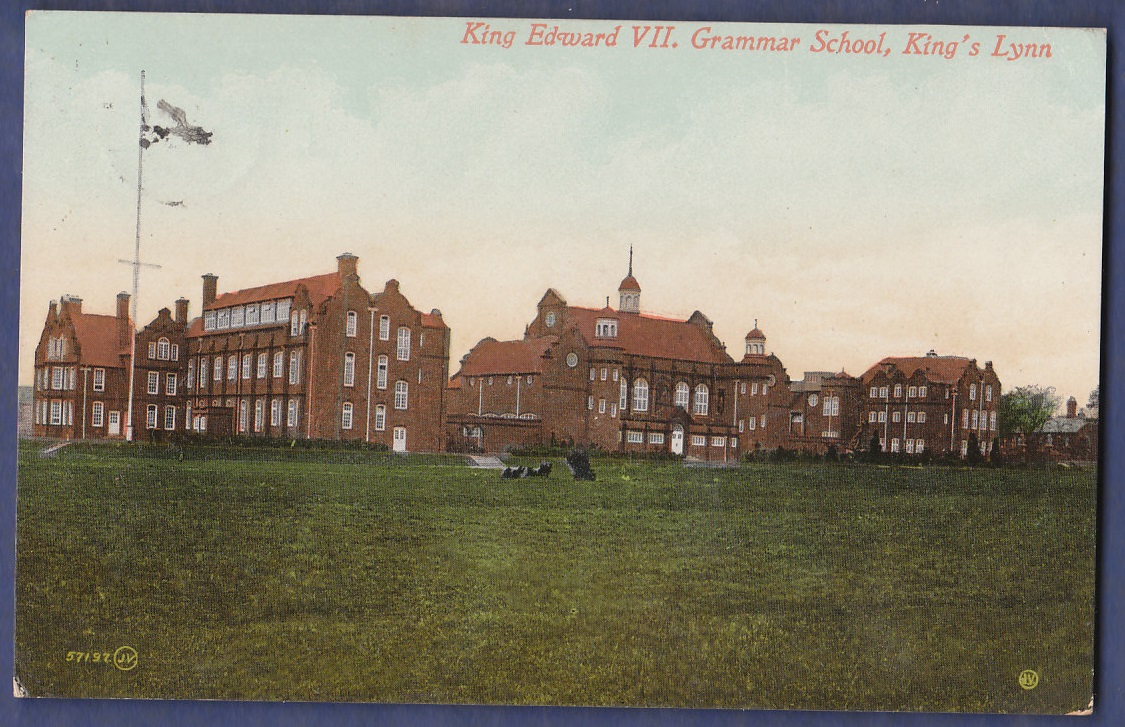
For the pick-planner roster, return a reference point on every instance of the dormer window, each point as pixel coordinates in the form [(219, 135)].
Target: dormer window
[(606, 328)]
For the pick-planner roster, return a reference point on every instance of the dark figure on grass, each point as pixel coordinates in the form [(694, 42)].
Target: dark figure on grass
[(579, 462)]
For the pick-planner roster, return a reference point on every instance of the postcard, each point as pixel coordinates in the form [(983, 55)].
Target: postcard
[(559, 362)]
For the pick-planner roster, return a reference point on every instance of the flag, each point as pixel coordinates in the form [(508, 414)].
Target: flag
[(189, 133)]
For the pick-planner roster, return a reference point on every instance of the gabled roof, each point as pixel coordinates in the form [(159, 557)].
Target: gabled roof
[(1064, 425), (647, 335), (97, 337), (938, 369), (507, 357), (432, 320), (320, 287)]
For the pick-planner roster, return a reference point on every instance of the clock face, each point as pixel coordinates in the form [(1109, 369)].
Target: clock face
[(550, 319), (572, 359)]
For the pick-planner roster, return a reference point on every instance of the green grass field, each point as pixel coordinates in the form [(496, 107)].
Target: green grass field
[(362, 576)]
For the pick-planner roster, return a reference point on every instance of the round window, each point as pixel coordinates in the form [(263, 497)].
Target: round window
[(572, 359), (812, 399), (550, 319)]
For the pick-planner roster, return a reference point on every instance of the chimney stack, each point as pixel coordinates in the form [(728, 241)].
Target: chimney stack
[(181, 311), (53, 312), (210, 289), (71, 303), (347, 265), (123, 319), (1071, 408)]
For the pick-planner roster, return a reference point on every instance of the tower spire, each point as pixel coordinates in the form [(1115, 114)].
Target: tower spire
[(630, 259)]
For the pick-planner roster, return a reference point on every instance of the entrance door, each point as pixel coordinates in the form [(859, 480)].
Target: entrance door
[(677, 439), (399, 439), (114, 423)]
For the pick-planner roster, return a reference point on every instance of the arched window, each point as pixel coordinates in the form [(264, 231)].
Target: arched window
[(683, 395), (346, 416), (294, 324), (262, 359), (349, 369), (381, 375), (163, 349), (702, 400), (384, 328), (380, 417), (402, 390), (640, 395), (278, 364), (353, 324)]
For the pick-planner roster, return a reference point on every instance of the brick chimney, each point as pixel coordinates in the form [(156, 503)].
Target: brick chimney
[(181, 311), (210, 289), (71, 304), (53, 311), (347, 265), (122, 319), (1071, 408)]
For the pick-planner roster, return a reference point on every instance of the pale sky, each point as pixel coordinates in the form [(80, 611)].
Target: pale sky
[(857, 206)]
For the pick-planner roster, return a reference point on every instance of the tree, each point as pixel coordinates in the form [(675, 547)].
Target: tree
[(874, 447), (974, 454), (1094, 398), (1025, 409)]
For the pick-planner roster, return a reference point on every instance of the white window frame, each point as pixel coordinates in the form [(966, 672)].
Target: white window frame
[(275, 412), (699, 440), (153, 383), (263, 360), (170, 417), (347, 412), (170, 383), (259, 413), (380, 417), (152, 414), (232, 367), (349, 369), (402, 349), (278, 364), (634, 437), (352, 325), (293, 413), (218, 368), (702, 402), (683, 395), (381, 373), (384, 328), (99, 379), (640, 394), (402, 395), (247, 363), (295, 367), (656, 437)]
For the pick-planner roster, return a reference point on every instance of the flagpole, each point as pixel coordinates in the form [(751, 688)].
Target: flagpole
[(136, 270)]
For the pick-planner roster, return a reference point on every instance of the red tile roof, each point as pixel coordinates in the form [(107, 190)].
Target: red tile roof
[(629, 283), (755, 335), (97, 336), (507, 357), (647, 335), (321, 287), (429, 320), (940, 369)]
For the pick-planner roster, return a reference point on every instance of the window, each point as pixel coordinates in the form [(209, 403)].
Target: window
[(353, 324), (882, 417), (874, 392), (911, 392), (972, 392), (304, 320), (170, 384), (741, 426), (97, 413), (346, 416), (910, 446), (762, 422), (615, 374), (698, 440), (683, 395), (259, 411), (896, 416), (988, 393), (72, 373), (232, 368), (380, 417), (921, 417), (894, 444), (349, 369), (222, 319), (190, 373), (635, 437), (163, 349), (640, 395), (294, 367), (294, 324), (247, 360), (278, 364), (831, 405), (268, 314), (605, 328), (243, 411), (656, 438), (920, 446), (601, 406), (590, 403), (175, 352), (898, 390), (293, 413), (883, 392), (871, 417), (964, 418), (99, 379), (605, 373), (754, 389), (152, 350), (753, 423), (613, 410), (153, 382), (209, 320), (975, 420), (150, 418), (403, 351), (282, 314), (237, 316), (253, 314), (263, 360), (170, 417), (922, 394), (718, 441), (401, 394), (910, 417), (702, 400), (381, 373), (593, 373), (275, 412), (624, 395), (218, 368), (57, 378), (992, 420), (384, 328)]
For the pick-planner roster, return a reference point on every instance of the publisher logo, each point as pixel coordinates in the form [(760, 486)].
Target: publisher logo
[(125, 658), (1029, 679)]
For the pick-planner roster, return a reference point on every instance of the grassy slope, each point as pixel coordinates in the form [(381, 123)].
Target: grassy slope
[(769, 586)]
